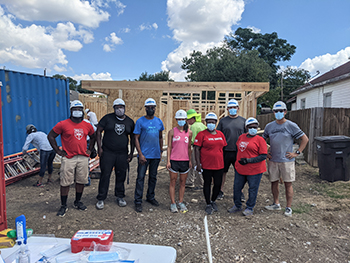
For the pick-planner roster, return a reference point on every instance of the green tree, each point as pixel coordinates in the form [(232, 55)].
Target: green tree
[(73, 84), (223, 64), (159, 76)]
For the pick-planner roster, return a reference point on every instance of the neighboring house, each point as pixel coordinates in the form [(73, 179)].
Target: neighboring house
[(330, 90)]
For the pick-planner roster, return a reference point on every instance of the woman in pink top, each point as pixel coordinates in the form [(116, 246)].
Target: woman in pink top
[(179, 158)]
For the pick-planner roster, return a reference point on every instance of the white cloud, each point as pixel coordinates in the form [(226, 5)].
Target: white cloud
[(37, 46), (148, 27), (93, 76), (254, 29), (59, 69), (112, 40), (76, 11), (126, 30), (326, 62), (198, 25)]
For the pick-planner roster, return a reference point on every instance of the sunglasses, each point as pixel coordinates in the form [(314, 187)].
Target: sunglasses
[(278, 111)]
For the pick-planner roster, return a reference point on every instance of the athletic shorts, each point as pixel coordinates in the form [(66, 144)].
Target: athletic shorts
[(229, 158), (181, 167), (76, 168), (284, 170)]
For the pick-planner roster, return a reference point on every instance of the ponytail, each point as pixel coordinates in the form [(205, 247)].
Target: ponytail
[(186, 127)]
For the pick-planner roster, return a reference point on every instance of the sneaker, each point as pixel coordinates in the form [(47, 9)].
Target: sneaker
[(273, 207), (79, 205), (234, 209), (62, 211), (248, 212), (209, 209), (242, 198), (100, 204), (121, 202), (153, 202), (183, 208), (288, 211), (214, 206), (89, 182), (220, 195), (189, 186), (37, 184), (173, 208), (197, 188), (138, 208)]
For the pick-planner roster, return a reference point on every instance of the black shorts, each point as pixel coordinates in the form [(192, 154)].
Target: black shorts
[(229, 158), (181, 167)]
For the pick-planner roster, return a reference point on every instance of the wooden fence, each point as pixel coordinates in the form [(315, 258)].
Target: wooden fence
[(316, 122)]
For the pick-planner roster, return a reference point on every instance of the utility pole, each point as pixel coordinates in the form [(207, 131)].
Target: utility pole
[(282, 86)]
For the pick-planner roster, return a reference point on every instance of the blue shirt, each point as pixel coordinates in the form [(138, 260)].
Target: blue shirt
[(149, 136)]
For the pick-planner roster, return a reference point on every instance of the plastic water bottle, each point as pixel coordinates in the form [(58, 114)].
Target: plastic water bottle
[(23, 255)]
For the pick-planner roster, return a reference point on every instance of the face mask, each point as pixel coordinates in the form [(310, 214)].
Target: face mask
[(232, 111), (150, 112), (252, 131), (279, 115), (119, 112), (77, 114), (211, 126), (181, 123)]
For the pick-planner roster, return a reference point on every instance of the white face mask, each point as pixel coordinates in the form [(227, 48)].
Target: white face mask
[(77, 114), (119, 112)]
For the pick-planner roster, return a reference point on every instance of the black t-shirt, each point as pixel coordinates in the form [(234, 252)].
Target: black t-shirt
[(116, 133), (232, 128)]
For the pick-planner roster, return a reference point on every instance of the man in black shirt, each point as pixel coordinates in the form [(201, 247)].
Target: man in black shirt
[(118, 128)]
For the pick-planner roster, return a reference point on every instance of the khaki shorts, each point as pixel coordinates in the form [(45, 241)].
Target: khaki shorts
[(78, 167), (285, 170)]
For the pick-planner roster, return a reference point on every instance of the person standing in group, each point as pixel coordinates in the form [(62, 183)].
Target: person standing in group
[(209, 146), (91, 116), (114, 153), (75, 155), (282, 133), (249, 167), (47, 154), (149, 145), (232, 126), (196, 126), (179, 159)]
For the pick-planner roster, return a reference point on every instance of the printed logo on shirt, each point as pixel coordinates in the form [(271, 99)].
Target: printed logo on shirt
[(218, 139), (186, 139), (195, 140), (119, 128), (176, 138), (78, 133), (243, 146)]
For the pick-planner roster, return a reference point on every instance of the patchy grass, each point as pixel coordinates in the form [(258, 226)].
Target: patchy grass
[(302, 208), (336, 190)]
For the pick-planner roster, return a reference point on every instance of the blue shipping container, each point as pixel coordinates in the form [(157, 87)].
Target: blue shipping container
[(30, 99)]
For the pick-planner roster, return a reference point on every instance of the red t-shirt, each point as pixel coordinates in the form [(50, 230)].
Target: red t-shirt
[(212, 156), (73, 136), (250, 147)]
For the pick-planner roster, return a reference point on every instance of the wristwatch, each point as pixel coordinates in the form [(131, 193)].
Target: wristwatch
[(297, 152)]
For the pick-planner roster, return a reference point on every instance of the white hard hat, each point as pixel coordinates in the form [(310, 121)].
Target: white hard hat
[(232, 103), (118, 102), (150, 102), (279, 105), (76, 103), (87, 110), (251, 120), (181, 114), (211, 116)]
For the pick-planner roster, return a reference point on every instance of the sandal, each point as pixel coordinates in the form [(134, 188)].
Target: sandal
[(37, 184), (49, 181)]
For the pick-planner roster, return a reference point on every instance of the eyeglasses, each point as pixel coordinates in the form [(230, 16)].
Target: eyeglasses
[(278, 110)]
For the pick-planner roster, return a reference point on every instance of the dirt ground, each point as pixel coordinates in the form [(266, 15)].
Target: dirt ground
[(318, 231)]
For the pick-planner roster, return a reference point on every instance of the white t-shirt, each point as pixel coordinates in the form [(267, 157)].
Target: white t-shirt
[(93, 117)]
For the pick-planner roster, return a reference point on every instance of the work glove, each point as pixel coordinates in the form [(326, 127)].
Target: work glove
[(243, 161)]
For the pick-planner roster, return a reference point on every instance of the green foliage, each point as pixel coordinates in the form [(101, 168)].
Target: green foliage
[(159, 76), (301, 208), (224, 64), (73, 84), (337, 190)]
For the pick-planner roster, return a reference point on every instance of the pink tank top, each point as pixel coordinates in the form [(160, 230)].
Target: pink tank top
[(179, 151)]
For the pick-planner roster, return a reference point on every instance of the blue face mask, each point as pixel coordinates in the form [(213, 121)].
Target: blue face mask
[(252, 131), (211, 126), (279, 115), (232, 111), (181, 123)]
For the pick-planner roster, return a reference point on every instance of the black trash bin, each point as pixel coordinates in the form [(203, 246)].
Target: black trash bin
[(333, 154)]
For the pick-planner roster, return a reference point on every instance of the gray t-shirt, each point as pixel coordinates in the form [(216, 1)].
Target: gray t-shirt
[(281, 139), (232, 128), (39, 140)]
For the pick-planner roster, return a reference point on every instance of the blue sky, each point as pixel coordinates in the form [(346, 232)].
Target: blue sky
[(120, 39)]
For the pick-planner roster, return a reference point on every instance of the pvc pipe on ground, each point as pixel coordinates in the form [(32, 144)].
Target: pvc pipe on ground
[(210, 258)]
